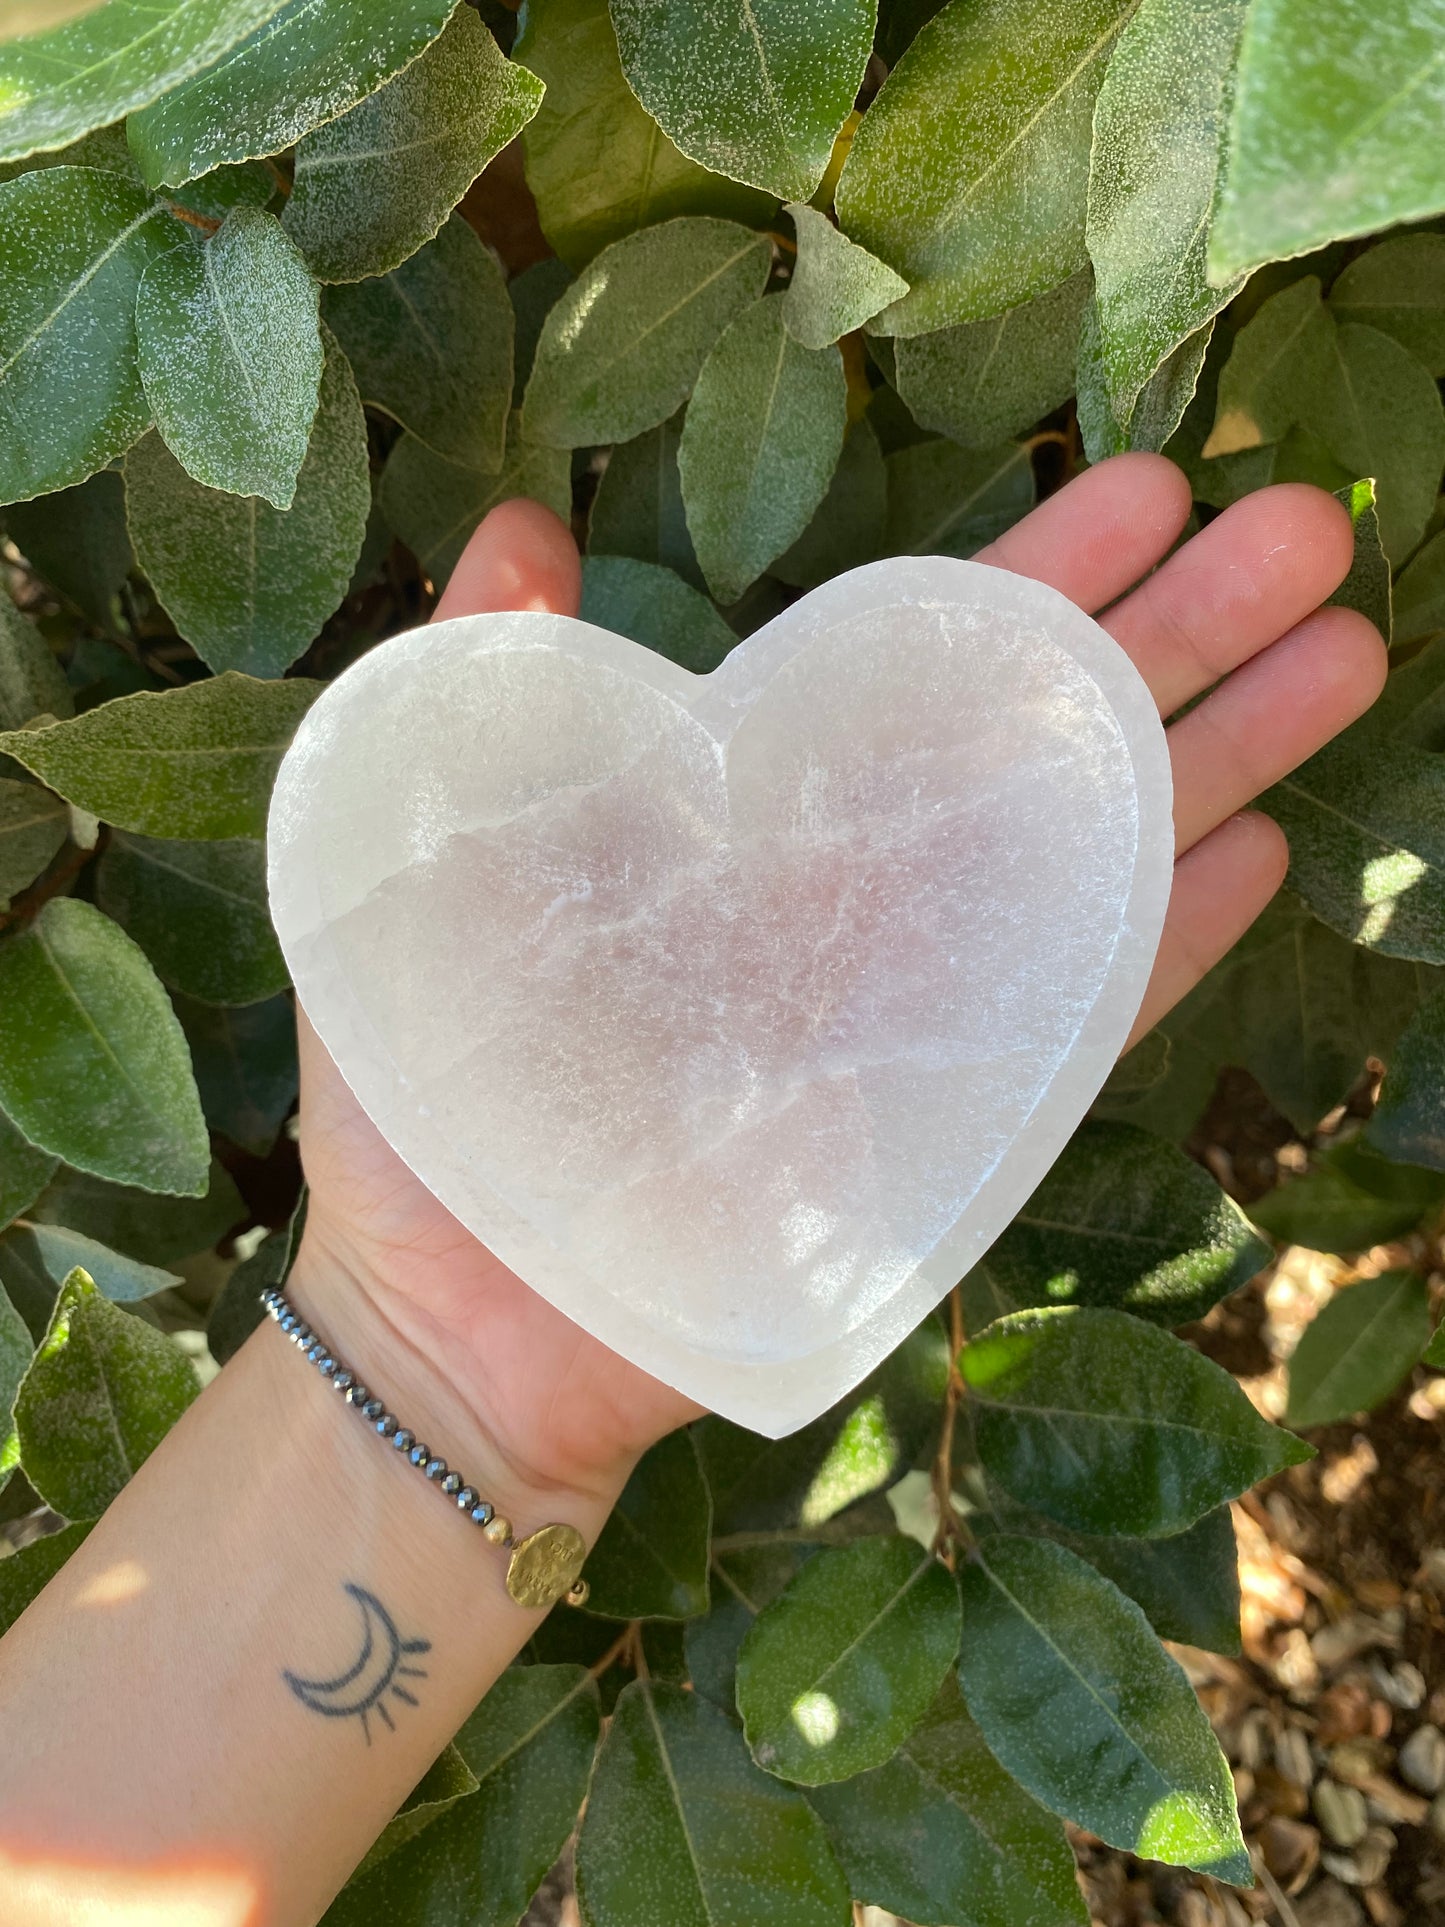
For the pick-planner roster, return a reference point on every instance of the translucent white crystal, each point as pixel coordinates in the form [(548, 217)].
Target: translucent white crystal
[(737, 1014)]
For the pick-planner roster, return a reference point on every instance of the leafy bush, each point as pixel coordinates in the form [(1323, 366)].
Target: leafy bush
[(259, 378)]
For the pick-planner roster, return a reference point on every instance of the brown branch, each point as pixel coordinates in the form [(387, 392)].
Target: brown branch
[(202, 221), (637, 1657), (617, 1651), (31, 902), (949, 1533)]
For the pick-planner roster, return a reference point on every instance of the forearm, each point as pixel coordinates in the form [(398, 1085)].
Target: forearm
[(154, 1750)]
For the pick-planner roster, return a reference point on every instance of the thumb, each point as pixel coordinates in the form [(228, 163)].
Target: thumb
[(520, 557)]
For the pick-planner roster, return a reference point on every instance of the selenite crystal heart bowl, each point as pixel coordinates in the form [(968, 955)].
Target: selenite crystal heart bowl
[(738, 1013)]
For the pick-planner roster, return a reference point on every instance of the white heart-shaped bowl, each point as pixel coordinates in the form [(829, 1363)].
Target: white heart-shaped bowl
[(737, 1014)]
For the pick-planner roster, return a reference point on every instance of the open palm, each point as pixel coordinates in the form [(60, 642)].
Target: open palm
[(1234, 611)]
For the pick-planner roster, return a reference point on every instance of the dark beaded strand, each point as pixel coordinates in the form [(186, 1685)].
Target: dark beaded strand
[(359, 1396)]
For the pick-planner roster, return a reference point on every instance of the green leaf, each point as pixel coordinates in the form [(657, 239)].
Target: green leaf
[(836, 285), (1297, 1006), (533, 293), (1435, 1350), (859, 1446), (1349, 1200), (434, 505), (16, 1351), (245, 1066), (230, 354), (598, 165), (638, 509), (93, 1065), (74, 243), (1187, 1585), (847, 525), (656, 608), (1140, 1070), (27, 1280), (156, 1230), (744, 1581), (431, 345), (1081, 1704), (1112, 1426), (1001, 100), (762, 437), (103, 1391), (36, 1260), (621, 349), (1158, 127), (248, 585), (198, 910), (1399, 288), (103, 147), (1275, 369), (26, 1573), (758, 95), (681, 1827), (32, 682), (946, 500), (1420, 594), (193, 762), (650, 1560), (1379, 412), (33, 825), (1367, 586), (215, 195), (1334, 127), (1123, 1220), (447, 1780), (1355, 1352), (941, 1834), (305, 66), (25, 1171), (529, 1746), (75, 538), (376, 184), (839, 1669), (1409, 1120), (984, 381), (88, 72), (1155, 412), (1366, 832)]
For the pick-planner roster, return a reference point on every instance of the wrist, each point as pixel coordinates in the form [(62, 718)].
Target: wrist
[(412, 1370)]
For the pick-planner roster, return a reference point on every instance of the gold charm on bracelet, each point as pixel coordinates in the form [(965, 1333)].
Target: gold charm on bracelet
[(544, 1567)]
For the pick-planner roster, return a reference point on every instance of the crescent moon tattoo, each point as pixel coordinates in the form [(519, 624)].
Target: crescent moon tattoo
[(372, 1677)]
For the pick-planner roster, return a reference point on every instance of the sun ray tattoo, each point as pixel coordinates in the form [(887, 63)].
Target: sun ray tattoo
[(366, 1684)]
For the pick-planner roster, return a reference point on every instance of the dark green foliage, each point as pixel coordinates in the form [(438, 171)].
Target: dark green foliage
[(263, 369)]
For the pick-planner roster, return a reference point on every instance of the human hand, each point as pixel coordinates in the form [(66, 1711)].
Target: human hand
[(1237, 606)]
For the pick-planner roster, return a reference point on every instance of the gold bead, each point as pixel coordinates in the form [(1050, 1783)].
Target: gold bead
[(577, 1593), (498, 1530)]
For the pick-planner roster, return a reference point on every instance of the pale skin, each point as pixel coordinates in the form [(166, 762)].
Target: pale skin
[(155, 1770)]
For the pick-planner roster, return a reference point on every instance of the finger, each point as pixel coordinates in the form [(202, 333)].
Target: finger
[(519, 557), (1257, 569), (1100, 533), (1266, 718), (1220, 887)]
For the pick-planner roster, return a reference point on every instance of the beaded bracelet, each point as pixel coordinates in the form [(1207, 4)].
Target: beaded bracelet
[(543, 1568)]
